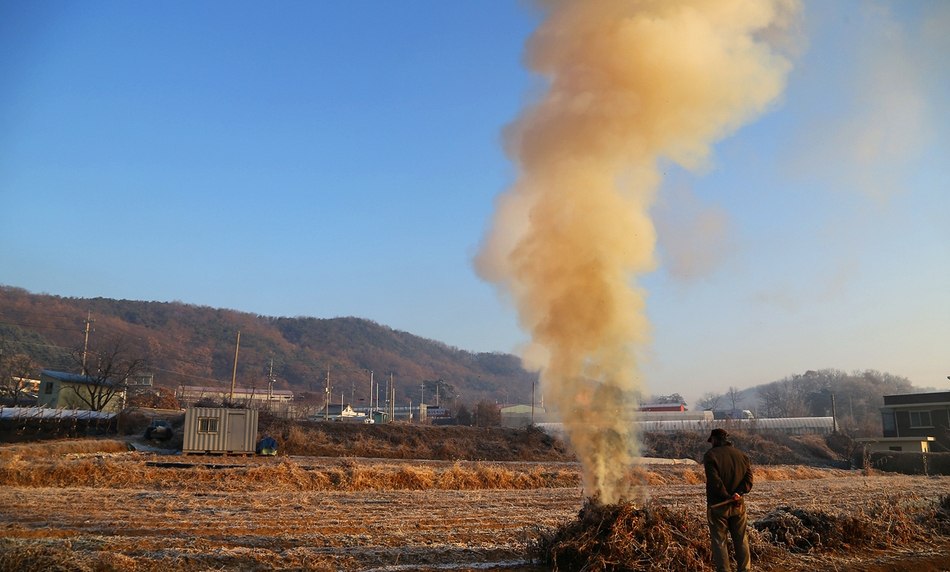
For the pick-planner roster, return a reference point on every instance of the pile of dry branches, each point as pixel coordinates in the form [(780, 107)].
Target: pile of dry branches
[(884, 523), (622, 537), (627, 537)]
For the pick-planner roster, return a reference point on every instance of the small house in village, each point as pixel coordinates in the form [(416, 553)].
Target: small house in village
[(61, 390), (219, 430), (896, 444), (918, 416)]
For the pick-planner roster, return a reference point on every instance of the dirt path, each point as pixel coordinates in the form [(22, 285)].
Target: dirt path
[(172, 529)]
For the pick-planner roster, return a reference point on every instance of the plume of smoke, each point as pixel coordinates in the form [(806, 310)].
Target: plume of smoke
[(628, 83)]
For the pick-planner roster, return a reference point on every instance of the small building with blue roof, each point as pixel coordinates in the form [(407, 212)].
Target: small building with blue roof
[(62, 390)]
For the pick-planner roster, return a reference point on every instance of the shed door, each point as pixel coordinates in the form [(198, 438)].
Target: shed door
[(237, 425)]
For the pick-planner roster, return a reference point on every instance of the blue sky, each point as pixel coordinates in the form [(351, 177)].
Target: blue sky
[(343, 159)]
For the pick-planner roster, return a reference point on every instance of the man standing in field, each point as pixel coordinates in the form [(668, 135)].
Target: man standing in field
[(728, 477)]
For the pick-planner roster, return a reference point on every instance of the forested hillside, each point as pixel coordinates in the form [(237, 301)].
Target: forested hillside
[(192, 345), (854, 397), (195, 345)]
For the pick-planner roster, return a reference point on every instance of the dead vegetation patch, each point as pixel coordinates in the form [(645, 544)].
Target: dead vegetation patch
[(61, 448), (655, 537), (403, 441), (682, 474), (138, 470), (763, 447), (626, 537), (96, 462), (347, 514), (881, 524)]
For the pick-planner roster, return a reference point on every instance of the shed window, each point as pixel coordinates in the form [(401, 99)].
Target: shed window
[(48, 389), (920, 419), (207, 424)]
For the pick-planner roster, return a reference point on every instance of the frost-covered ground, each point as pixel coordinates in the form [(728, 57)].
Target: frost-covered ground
[(165, 526)]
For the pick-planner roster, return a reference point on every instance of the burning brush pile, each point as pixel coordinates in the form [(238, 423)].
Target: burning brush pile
[(624, 536)]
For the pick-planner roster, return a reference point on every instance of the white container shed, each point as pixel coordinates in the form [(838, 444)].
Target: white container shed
[(219, 430)]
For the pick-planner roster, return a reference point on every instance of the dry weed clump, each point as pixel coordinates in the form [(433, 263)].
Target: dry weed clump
[(939, 516), (627, 537), (801, 530), (345, 475), (61, 448), (882, 524), (624, 536), (413, 478), (794, 473), (35, 558), (402, 441), (61, 555), (763, 447), (119, 469)]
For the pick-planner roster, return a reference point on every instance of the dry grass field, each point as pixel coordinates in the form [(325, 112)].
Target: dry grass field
[(94, 505)]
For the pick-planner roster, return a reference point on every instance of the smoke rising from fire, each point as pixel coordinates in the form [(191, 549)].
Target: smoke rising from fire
[(630, 84)]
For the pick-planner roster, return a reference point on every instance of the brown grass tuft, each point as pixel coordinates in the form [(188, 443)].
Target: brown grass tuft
[(61, 448)]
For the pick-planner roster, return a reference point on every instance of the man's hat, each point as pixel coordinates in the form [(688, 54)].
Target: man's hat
[(718, 433)]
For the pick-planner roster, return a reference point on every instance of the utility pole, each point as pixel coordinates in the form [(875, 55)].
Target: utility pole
[(834, 415), (237, 348), (85, 343), (326, 400), (392, 400), (532, 401), (270, 381), (371, 393)]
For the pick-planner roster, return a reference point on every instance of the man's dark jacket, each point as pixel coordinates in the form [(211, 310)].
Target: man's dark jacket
[(728, 471)]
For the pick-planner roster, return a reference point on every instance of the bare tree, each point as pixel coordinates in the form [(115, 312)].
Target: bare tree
[(711, 401), (734, 394), (463, 416), (487, 414), (15, 370), (107, 372), (783, 399)]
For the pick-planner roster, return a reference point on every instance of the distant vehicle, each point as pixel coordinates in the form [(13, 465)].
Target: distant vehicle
[(159, 430)]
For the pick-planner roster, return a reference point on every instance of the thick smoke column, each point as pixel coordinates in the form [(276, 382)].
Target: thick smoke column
[(630, 83)]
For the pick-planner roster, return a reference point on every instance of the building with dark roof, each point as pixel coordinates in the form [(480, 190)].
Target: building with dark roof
[(918, 415), (62, 390)]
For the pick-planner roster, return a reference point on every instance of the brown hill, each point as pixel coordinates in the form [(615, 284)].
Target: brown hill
[(195, 345)]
